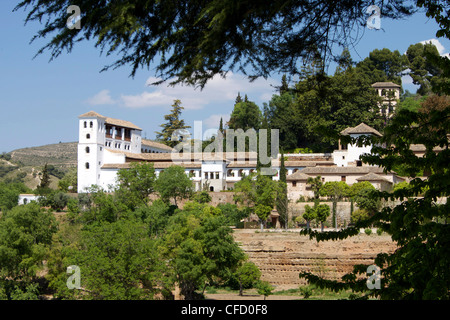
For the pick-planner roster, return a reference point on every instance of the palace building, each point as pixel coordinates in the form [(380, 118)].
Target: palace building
[(107, 145)]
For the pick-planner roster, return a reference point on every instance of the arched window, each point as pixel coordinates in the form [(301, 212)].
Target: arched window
[(88, 136), (87, 150), (87, 165), (85, 124)]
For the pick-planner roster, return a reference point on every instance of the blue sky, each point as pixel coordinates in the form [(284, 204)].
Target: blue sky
[(41, 100)]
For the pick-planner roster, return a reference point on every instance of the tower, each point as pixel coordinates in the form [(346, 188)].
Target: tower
[(91, 144)]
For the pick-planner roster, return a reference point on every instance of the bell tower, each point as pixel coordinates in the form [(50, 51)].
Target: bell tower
[(91, 142)]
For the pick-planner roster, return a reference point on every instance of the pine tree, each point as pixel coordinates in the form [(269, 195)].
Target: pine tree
[(173, 124), (238, 98)]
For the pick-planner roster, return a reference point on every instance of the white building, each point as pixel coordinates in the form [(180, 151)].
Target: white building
[(349, 155), (107, 145), (390, 94), (104, 140)]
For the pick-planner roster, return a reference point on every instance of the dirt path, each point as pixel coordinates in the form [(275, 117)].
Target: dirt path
[(235, 296)]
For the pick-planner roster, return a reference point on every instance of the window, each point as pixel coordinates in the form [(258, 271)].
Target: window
[(87, 150), (211, 188), (85, 124), (87, 165), (217, 175), (294, 183), (343, 178), (91, 124), (88, 136), (358, 163), (211, 175)]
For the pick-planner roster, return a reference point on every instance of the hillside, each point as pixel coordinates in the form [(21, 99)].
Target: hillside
[(60, 155), (26, 164)]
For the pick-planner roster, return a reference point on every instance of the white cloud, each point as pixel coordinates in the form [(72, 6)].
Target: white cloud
[(146, 99), (103, 97), (213, 121), (217, 90), (440, 48)]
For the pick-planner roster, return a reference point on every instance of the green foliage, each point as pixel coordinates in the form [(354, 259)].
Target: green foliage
[(418, 268), (232, 214), (69, 180), (117, 261), (173, 183), (155, 216), (366, 199), (200, 249), (359, 215), (322, 213), (264, 288), (245, 115), (248, 274), (9, 195), (25, 234), (135, 184), (413, 103), (253, 38), (102, 207), (306, 291), (174, 128), (316, 185), (309, 215), (45, 178), (423, 73), (258, 193), (202, 197), (384, 65)]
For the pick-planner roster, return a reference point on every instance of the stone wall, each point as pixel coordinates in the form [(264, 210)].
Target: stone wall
[(282, 255)]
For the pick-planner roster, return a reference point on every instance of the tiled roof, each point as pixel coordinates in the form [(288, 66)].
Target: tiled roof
[(343, 170), (385, 85), (154, 144), (112, 121), (297, 176), (91, 114), (372, 177), (156, 165), (122, 123), (360, 128)]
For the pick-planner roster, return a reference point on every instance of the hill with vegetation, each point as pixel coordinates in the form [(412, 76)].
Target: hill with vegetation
[(26, 164)]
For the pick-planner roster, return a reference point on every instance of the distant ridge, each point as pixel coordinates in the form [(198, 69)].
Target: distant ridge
[(62, 155)]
